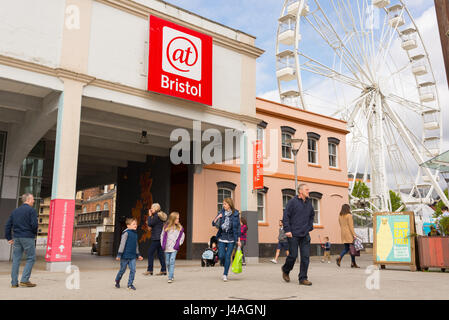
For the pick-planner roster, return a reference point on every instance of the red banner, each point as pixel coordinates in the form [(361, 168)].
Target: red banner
[(60, 230), (258, 166)]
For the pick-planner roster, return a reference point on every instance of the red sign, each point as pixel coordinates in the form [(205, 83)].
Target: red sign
[(180, 62), (60, 230), (258, 166)]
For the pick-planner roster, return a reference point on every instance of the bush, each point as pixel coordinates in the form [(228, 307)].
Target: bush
[(443, 224)]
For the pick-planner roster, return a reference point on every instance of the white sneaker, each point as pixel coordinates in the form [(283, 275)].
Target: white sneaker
[(274, 261), (328, 262), (225, 278), (170, 280)]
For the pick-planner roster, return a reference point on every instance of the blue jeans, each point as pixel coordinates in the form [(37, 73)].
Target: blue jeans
[(345, 251), (21, 245), (170, 258), (132, 270), (156, 246), (224, 254), (304, 249)]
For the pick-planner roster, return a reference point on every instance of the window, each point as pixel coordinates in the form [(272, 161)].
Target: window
[(287, 195), (225, 190), (286, 147), (261, 134), (287, 133), (333, 152), (313, 151), (98, 208), (261, 206), (85, 210), (31, 173), (332, 155), (312, 147), (316, 198), (105, 207), (261, 199), (316, 206)]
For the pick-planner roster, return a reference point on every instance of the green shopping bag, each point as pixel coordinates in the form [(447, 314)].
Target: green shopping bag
[(237, 263)]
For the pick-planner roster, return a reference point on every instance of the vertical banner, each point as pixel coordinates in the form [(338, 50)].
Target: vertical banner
[(258, 165), (60, 230)]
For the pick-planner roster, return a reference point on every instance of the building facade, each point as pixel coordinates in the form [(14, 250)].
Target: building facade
[(322, 165), (76, 74), (97, 214)]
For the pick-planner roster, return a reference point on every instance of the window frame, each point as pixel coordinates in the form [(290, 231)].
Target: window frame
[(264, 205), (220, 204), (315, 152), (333, 155), (318, 216), (286, 145)]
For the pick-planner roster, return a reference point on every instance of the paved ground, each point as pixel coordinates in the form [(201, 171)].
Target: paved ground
[(259, 281)]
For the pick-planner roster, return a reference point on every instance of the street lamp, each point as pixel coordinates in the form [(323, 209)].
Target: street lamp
[(295, 153)]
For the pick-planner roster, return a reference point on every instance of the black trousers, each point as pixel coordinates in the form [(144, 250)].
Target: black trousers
[(156, 246), (303, 243)]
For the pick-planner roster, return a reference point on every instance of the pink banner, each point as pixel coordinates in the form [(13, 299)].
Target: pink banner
[(60, 230)]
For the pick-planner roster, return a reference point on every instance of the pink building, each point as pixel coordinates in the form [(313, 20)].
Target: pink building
[(322, 165)]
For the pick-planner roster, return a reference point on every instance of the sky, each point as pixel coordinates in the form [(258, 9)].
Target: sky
[(260, 19)]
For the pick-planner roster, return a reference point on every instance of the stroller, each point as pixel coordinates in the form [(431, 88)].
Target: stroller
[(210, 255)]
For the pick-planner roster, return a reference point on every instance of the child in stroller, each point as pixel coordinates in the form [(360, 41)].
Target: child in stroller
[(210, 255)]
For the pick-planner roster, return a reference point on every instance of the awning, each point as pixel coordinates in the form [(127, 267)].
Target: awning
[(440, 163)]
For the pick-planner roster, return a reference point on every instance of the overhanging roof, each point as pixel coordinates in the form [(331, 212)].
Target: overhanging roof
[(440, 163)]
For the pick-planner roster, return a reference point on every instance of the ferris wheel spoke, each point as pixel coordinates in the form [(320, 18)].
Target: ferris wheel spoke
[(349, 106), (411, 105), (327, 32), (387, 46), (414, 150), (313, 66)]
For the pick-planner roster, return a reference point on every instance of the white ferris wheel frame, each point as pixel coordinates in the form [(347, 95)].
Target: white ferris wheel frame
[(381, 200)]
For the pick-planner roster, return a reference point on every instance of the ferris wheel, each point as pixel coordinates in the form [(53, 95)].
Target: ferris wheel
[(366, 60)]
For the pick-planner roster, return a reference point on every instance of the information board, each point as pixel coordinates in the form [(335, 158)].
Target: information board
[(394, 239)]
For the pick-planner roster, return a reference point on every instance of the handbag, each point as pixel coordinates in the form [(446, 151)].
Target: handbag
[(358, 244), (237, 263), (353, 251)]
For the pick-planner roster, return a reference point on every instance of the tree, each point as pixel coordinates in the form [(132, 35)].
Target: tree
[(396, 201), (361, 190)]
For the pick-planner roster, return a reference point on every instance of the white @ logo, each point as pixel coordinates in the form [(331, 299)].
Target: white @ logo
[(181, 54)]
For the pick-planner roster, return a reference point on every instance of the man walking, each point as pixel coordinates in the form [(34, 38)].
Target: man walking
[(23, 222), (298, 222)]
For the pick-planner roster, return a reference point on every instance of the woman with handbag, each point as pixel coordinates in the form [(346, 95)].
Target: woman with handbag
[(228, 223), (347, 233)]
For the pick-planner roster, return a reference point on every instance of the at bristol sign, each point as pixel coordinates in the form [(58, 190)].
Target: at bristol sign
[(180, 62)]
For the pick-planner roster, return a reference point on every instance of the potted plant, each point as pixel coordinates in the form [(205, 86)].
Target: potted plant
[(434, 249)]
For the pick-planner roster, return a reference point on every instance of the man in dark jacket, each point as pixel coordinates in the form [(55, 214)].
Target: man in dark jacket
[(156, 221), (298, 222), (23, 223)]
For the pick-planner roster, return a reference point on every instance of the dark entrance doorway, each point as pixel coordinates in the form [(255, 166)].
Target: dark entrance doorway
[(179, 199)]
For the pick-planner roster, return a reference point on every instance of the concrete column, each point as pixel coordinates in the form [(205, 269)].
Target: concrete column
[(248, 197), (74, 61), (62, 207)]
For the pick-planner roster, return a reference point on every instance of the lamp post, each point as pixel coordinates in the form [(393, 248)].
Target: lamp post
[(295, 153)]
